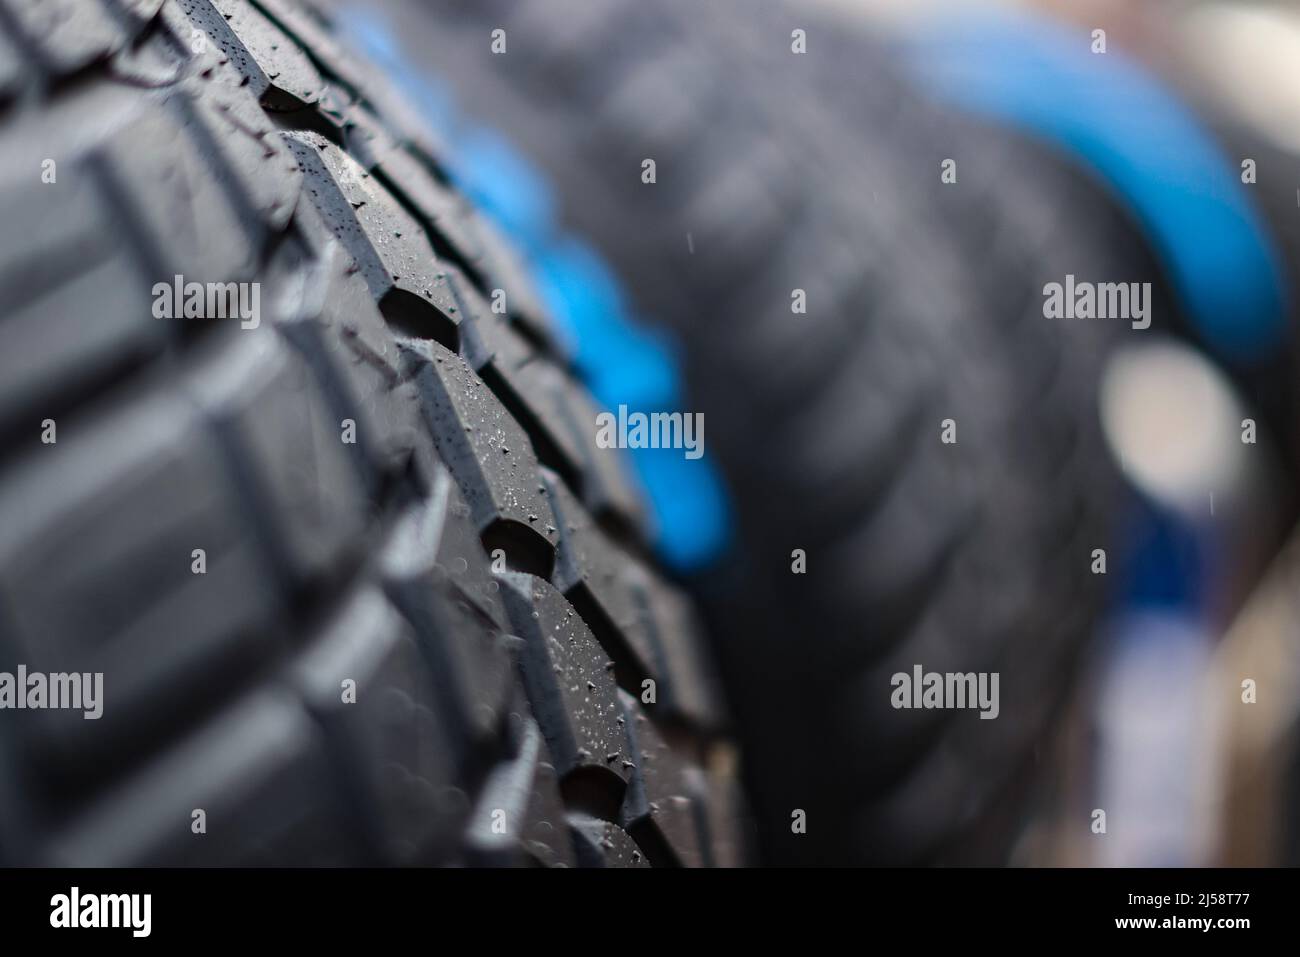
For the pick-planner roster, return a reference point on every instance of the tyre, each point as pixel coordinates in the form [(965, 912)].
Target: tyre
[(867, 544), (294, 462)]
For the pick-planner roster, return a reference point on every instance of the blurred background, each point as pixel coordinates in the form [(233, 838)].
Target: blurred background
[(1160, 732), (799, 147)]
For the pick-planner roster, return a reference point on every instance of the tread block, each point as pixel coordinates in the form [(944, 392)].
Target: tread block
[(176, 199), (447, 213), (66, 35), (548, 840), (365, 138), (489, 455), (436, 542), (97, 575), (608, 488), (268, 174), (407, 122), (276, 70), (602, 844), (503, 269), (260, 774), (530, 385), (693, 692), (314, 39), (390, 248), (69, 220), (658, 809), (287, 451), (336, 326), (435, 569), (520, 816), (393, 747), (377, 455), (587, 572), (64, 265), (570, 686), (556, 410), (160, 57), (470, 660), (447, 216)]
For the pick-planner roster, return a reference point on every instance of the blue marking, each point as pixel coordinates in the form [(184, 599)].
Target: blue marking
[(1150, 148)]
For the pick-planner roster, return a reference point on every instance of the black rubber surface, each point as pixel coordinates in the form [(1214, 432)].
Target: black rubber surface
[(471, 565), (820, 172)]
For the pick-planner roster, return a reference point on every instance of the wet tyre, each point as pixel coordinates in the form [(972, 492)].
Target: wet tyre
[(332, 526)]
